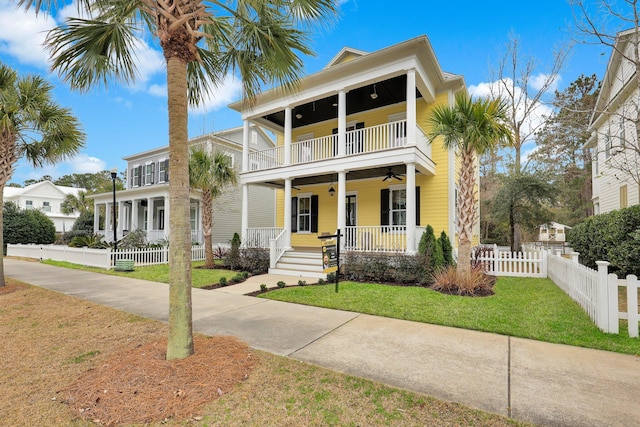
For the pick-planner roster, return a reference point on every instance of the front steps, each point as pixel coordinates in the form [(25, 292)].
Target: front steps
[(300, 263)]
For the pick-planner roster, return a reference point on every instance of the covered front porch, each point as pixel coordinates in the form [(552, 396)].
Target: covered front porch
[(135, 211)]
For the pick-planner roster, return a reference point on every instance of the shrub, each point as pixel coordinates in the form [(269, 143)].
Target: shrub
[(26, 226), (222, 281), (92, 241), (613, 237), (263, 287), (447, 249), (302, 283), (220, 252), (69, 235), (321, 281), (449, 280), (281, 284), (430, 249), (409, 269), (375, 267), (255, 260), (84, 222), (237, 278), (133, 239), (331, 277), (232, 261)]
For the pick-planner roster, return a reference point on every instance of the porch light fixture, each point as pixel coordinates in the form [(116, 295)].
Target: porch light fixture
[(332, 190), (114, 174), (374, 94)]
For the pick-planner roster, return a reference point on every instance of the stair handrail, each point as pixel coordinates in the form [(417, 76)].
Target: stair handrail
[(276, 249)]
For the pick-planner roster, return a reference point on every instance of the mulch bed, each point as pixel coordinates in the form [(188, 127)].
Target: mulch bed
[(141, 386)]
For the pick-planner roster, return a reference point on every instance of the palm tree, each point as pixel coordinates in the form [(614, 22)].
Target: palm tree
[(32, 126), (202, 41), (209, 172), (76, 203), (471, 128)]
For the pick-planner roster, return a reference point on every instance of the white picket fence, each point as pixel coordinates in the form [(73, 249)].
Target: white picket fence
[(518, 264), (101, 258)]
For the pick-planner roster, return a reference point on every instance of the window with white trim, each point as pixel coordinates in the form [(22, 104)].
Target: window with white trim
[(163, 172), (135, 176), (46, 206), (304, 214), (398, 207), (148, 174), (607, 145), (28, 204)]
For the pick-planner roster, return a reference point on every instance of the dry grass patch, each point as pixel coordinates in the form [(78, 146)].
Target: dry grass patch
[(59, 350)]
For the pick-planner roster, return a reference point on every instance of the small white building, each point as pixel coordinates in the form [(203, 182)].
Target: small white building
[(553, 232), (47, 197)]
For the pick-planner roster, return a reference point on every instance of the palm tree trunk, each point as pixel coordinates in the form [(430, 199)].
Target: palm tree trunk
[(2, 280), (466, 210), (207, 225), (180, 342)]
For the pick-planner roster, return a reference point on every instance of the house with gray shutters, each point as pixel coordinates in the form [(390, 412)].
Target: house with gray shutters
[(144, 204)]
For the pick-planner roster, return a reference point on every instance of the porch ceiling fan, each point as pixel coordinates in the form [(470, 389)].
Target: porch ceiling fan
[(392, 175)]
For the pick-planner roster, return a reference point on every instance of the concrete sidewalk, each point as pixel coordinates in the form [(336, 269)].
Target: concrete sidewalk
[(548, 384)]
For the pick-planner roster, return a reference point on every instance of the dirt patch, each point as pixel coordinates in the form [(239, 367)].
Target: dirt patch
[(12, 286), (141, 386)]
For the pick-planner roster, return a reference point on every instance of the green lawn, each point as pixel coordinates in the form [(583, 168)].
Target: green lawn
[(521, 307), (158, 273)]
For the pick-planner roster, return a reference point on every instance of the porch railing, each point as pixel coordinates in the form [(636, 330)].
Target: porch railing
[(367, 140), (376, 239), (260, 237)]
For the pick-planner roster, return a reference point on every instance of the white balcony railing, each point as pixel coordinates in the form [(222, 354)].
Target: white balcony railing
[(367, 140), (376, 239)]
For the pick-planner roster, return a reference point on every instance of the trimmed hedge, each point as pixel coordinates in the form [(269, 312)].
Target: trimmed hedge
[(387, 268), (26, 226), (613, 237)]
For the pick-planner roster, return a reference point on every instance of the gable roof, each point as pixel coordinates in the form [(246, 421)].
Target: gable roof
[(13, 192), (605, 97), (346, 54)]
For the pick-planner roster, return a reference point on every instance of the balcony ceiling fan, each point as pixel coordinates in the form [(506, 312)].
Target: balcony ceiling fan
[(392, 175)]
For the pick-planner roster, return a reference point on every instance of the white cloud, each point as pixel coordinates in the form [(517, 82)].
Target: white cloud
[(22, 34), (538, 81), (148, 61), (506, 89), (83, 163), (120, 100), (158, 90), (226, 93)]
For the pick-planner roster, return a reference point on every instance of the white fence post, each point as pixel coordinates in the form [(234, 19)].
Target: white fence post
[(614, 327), (632, 305), (575, 256), (602, 302), (496, 260), (544, 269)]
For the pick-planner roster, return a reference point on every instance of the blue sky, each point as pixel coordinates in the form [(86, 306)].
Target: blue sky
[(121, 121)]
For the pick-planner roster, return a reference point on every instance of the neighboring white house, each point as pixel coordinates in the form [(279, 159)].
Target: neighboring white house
[(144, 204), (614, 141), (553, 232), (47, 197)]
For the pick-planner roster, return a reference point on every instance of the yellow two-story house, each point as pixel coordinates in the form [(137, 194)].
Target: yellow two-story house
[(352, 155)]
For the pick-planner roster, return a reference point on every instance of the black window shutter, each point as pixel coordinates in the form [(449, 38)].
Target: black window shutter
[(166, 170), (314, 214), (294, 214), (417, 205), (384, 206), (131, 178), (140, 181), (153, 173)]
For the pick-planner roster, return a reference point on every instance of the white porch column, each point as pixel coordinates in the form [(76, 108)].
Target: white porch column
[(246, 134), (134, 214), (149, 215), (287, 212), (342, 123), (96, 218), (108, 225), (287, 135), (411, 208), (342, 205), (120, 221), (411, 107), (244, 227)]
